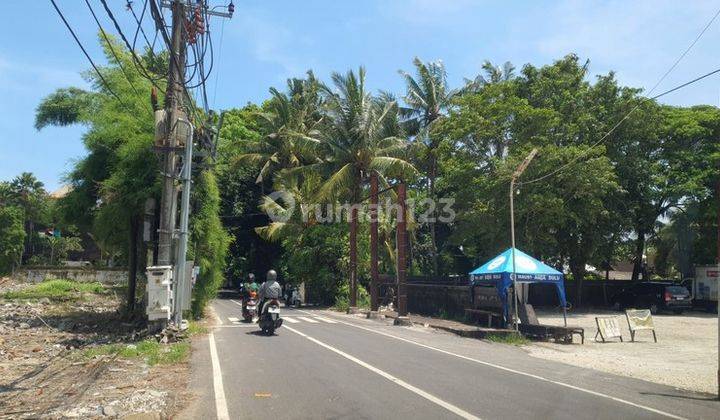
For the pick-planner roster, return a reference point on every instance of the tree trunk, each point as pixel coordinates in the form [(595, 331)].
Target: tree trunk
[(132, 265), (433, 239), (578, 271), (374, 242), (637, 258), (353, 256)]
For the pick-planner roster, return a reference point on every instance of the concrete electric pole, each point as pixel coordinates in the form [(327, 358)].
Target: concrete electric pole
[(515, 176), (173, 100)]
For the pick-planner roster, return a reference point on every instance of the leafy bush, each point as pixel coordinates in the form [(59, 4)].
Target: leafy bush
[(211, 242), (342, 298), (56, 290), (12, 237)]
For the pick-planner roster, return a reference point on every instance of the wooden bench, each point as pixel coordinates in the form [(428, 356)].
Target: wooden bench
[(478, 313), (530, 326)]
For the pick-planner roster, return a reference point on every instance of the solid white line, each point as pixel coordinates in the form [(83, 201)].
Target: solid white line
[(518, 372), (220, 401), (306, 319), (233, 319), (238, 325), (323, 319), (446, 405), (291, 320), (235, 302)]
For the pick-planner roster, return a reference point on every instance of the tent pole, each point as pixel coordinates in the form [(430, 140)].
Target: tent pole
[(565, 315)]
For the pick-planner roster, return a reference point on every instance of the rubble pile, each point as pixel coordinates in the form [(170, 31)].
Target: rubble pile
[(44, 372)]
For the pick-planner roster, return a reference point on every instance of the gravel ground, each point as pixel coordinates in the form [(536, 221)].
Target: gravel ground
[(685, 356), (43, 375)]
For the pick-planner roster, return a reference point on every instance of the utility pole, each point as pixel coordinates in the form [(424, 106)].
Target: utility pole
[(515, 176), (173, 99), (174, 120), (717, 278), (401, 259)]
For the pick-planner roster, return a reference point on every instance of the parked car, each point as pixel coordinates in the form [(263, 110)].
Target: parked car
[(656, 296)]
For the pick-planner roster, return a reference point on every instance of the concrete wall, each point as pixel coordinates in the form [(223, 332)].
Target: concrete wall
[(81, 274)]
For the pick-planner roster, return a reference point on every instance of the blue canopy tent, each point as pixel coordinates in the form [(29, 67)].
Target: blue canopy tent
[(498, 272)]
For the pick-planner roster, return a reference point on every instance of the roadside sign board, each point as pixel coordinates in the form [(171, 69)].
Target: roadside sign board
[(608, 327), (640, 319)]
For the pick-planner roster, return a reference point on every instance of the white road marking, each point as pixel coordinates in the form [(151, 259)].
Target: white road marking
[(446, 405), (238, 325), (235, 302), (518, 372), (233, 319), (291, 320), (306, 319), (323, 319), (220, 401)]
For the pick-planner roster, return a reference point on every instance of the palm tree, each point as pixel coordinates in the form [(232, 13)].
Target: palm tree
[(290, 119), (427, 98), (357, 139), (493, 74)]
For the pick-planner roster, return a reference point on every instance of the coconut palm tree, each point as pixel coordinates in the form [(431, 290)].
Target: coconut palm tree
[(357, 139), (493, 74), (289, 120), (427, 98)]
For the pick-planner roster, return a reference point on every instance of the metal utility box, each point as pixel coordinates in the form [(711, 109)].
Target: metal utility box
[(181, 131), (159, 295)]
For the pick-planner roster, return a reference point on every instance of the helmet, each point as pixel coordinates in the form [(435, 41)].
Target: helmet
[(251, 277), (271, 275)]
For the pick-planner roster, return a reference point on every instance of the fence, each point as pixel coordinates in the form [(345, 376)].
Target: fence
[(81, 274)]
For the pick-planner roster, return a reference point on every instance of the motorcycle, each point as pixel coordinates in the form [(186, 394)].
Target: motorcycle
[(293, 298), (249, 311), (270, 318)]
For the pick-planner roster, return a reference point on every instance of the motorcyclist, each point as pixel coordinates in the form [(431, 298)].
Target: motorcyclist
[(247, 288), (269, 290)]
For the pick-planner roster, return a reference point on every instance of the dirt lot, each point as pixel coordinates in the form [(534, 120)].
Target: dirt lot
[(685, 356), (74, 357)]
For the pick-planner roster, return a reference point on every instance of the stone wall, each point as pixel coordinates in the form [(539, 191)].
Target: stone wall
[(80, 274)]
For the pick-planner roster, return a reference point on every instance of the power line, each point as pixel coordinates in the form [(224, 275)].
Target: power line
[(92, 63), (136, 59), (602, 139), (112, 50)]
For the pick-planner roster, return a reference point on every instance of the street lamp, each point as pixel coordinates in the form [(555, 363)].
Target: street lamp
[(520, 169)]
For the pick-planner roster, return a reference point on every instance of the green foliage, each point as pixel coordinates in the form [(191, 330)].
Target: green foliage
[(512, 339), (342, 297), (60, 290), (210, 240), (12, 237)]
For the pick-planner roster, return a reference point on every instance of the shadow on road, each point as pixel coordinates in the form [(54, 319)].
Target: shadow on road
[(684, 397)]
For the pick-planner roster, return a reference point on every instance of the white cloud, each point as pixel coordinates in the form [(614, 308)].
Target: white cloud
[(640, 39), (271, 42)]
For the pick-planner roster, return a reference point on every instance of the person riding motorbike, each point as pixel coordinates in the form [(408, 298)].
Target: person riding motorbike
[(247, 289), (269, 290)]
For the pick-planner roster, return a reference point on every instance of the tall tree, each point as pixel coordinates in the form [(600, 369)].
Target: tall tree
[(427, 99), (289, 120), (112, 183), (353, 143)]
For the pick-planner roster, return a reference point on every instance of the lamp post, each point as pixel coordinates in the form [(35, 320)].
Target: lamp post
[(520, 169)]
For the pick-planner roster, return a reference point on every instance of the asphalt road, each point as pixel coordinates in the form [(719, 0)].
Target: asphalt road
[(325, 365)]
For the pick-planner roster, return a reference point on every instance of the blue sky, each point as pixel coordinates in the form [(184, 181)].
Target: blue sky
[(270, 40)]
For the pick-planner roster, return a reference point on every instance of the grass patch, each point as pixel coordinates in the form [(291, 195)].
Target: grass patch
[(151, 351), (56, 290), (194, 328), (512, 339)]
